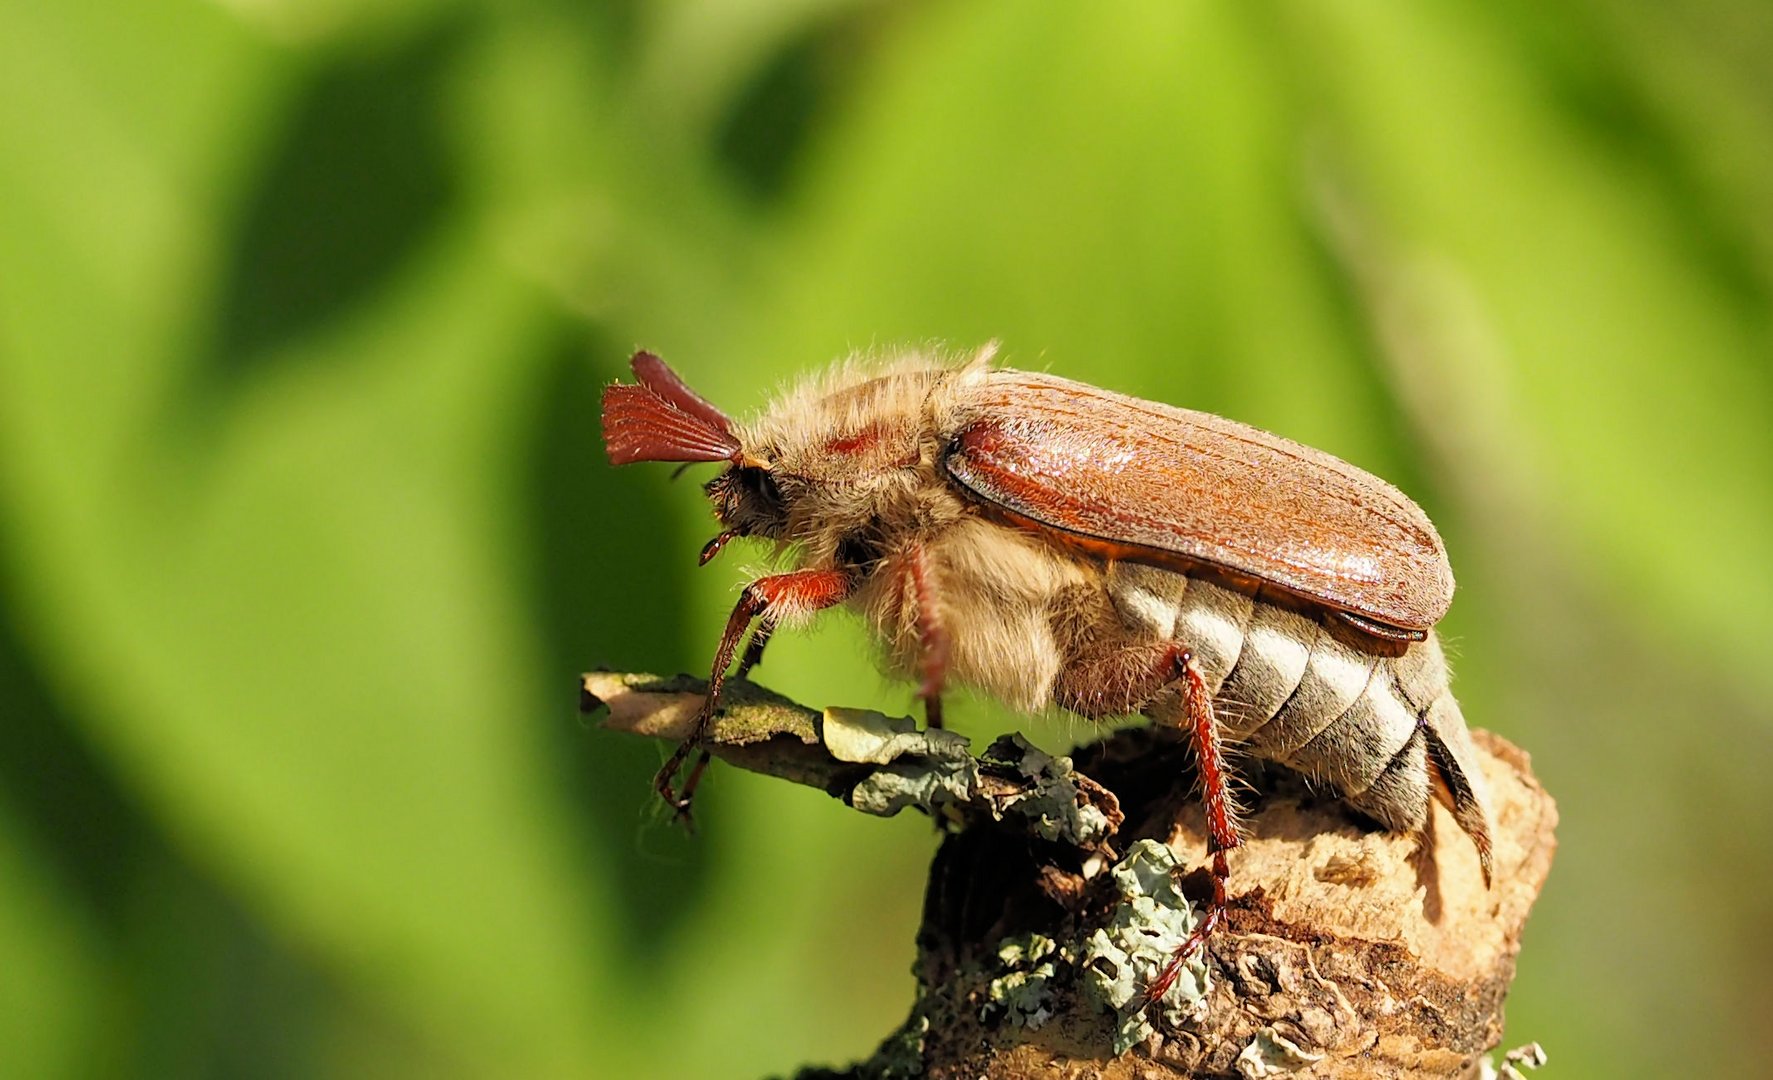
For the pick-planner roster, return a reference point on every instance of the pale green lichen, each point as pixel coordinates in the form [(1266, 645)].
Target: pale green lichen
[(1022, 995), (1272, 1054), (866, 737), (1121, 960), (933, 771), (1050, 802), (928, 769)]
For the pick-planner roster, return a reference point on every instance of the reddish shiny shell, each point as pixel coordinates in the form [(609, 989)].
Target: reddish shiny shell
[(1136, 479)]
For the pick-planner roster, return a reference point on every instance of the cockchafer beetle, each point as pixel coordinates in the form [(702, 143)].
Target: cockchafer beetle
[(1051, 543)]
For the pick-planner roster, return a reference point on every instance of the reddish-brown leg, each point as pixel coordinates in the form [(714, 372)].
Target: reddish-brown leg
[(1124, 680), (1118, 680), (1222, 831), (753, 656), (754, 647), (770, 599), (932, 635)]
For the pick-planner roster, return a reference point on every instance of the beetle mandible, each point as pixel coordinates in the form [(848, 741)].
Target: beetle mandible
[(1051, 543)]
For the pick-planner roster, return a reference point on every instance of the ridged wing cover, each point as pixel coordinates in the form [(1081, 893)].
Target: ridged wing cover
[(1147, 480)]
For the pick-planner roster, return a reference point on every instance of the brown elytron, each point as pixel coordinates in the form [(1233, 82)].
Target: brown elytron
[(1051, 543), (1206, 490)]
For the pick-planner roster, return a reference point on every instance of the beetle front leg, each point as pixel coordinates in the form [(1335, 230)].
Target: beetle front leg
[(753, 656), (770, 600), (1128, 679), (754, 648)]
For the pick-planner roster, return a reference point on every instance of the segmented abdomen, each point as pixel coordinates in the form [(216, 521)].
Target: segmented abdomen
[(1290, 690)]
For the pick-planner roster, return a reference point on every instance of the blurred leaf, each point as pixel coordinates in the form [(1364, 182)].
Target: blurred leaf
[(329, 22), (608, 590), (1691, 78), (697, 54), (51, 1000), (982, 190), (357, 182), (324, 669)]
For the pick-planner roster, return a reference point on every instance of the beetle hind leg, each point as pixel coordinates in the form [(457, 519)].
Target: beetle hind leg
[(1221, 810), (1131, 679)]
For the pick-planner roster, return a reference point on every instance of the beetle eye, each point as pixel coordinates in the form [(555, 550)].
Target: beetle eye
[(759, 484)]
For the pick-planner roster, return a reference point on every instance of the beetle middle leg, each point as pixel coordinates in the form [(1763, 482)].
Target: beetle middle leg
[(1129, 679), (767, 600), (932, 633)]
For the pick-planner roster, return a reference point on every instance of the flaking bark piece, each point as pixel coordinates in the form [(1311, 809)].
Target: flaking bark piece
[(875, 763)]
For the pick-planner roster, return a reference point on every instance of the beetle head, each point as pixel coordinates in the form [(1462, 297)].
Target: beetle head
[(749, 502), (662, 419)]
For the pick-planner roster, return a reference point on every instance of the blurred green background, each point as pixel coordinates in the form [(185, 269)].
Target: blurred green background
[(304, 311)]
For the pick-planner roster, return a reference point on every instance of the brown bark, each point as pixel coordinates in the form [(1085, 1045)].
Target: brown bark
[(1348, 951)]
